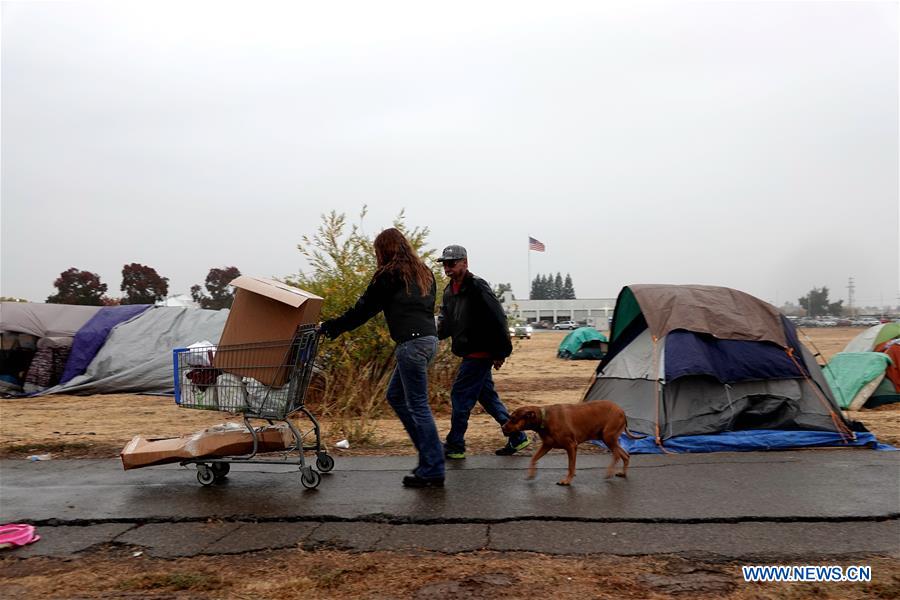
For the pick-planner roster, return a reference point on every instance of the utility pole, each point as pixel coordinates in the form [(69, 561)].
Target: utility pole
[(850, 288)]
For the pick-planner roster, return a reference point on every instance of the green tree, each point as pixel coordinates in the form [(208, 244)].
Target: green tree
[(550, 287), (557, 289), (538, 288), (217, 284), (568, 288), (817, 304), (142, 285), (74, 286)]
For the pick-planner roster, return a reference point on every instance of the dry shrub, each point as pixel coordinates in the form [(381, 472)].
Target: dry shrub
[(353, 371)]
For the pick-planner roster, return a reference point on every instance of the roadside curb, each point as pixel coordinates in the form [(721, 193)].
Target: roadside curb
[(712, 540)]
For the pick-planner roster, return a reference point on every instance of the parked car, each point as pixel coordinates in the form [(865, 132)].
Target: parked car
[(864, 322), (521, 331), (566, 325)]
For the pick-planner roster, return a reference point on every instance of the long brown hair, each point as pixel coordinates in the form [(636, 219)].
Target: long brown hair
[(394, 254)]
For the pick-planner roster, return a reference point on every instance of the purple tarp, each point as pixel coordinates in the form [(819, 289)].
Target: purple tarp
[(92, 335)]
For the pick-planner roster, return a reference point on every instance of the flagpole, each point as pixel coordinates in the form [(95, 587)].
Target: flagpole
[(528, 283)]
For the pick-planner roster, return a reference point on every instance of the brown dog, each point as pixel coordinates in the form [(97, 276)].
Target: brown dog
[(567, 425)]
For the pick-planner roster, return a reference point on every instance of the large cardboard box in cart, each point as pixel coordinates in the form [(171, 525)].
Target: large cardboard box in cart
[(264, 310)]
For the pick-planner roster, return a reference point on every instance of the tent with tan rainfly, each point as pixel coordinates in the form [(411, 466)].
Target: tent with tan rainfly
[(702, 368)]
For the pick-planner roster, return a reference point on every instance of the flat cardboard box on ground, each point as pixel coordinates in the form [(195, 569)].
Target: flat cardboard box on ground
[(214, 442), (264, 310)]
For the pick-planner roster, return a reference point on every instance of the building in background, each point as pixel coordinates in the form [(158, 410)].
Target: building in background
[(593, 312)]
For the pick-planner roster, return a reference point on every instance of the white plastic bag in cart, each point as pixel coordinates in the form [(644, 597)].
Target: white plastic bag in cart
[(231, 393), (265, 400), (199, 354), (198, 396)]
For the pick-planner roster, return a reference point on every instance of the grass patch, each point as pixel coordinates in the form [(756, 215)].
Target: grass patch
[(359, 432), (177, 581), (331, 578), (57, 448), (338, 576)]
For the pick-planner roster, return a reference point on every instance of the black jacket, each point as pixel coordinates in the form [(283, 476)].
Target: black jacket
[(474, 319), (409, 314)]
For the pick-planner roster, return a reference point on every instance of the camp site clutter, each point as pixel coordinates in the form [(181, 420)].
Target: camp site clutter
[(260, 368), (255, 363), (696, 368), (97, 350), (60, 348)]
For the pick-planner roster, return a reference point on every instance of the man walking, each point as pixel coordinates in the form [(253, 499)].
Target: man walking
[(473, 317)]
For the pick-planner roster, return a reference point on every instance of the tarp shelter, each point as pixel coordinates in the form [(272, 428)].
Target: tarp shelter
[(92, 335), (583, 343), (868, 370), (44, 320), (137, 355), (697, 360), (36, 341)]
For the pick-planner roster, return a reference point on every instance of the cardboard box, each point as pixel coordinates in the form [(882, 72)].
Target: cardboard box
[(264, 310), (215, 442)]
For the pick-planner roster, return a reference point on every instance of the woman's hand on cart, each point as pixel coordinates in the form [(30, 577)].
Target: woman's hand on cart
[(322, 330)]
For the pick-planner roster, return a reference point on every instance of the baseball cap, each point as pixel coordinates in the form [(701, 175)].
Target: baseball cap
[(452, 253)]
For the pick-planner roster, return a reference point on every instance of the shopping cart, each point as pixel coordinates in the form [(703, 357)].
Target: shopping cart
[(267, 381)]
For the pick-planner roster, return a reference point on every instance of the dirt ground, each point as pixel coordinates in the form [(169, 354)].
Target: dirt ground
[(99, 426), (288, 574)]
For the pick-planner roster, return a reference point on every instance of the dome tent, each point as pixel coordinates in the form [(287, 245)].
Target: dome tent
[(583, 343), (704, 361), (872, 337)]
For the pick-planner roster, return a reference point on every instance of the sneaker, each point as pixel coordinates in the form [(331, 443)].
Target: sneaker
[(454, 453), (414, 481), (509, 449)]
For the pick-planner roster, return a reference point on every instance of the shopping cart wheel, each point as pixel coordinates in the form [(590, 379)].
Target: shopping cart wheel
[(324, 463), (220, 470), (205, 475), (310, 479)]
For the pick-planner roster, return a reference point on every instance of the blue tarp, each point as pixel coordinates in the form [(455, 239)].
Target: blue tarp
[(728, 361), (92, 335), (749, 441)]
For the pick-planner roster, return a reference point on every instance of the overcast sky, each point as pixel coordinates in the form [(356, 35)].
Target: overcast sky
[(750, 145)]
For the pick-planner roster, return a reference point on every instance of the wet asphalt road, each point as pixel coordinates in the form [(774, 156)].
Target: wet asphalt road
[(803, 503)]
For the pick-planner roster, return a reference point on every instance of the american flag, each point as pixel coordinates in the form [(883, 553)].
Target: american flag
[(533, 244)]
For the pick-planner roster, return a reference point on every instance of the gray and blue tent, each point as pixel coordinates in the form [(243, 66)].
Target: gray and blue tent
[(703, 368)]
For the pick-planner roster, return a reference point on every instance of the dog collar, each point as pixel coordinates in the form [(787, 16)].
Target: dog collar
[(543, 417)]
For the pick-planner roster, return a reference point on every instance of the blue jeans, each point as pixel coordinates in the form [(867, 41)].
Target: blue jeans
[(474, 383), (408, 395)]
